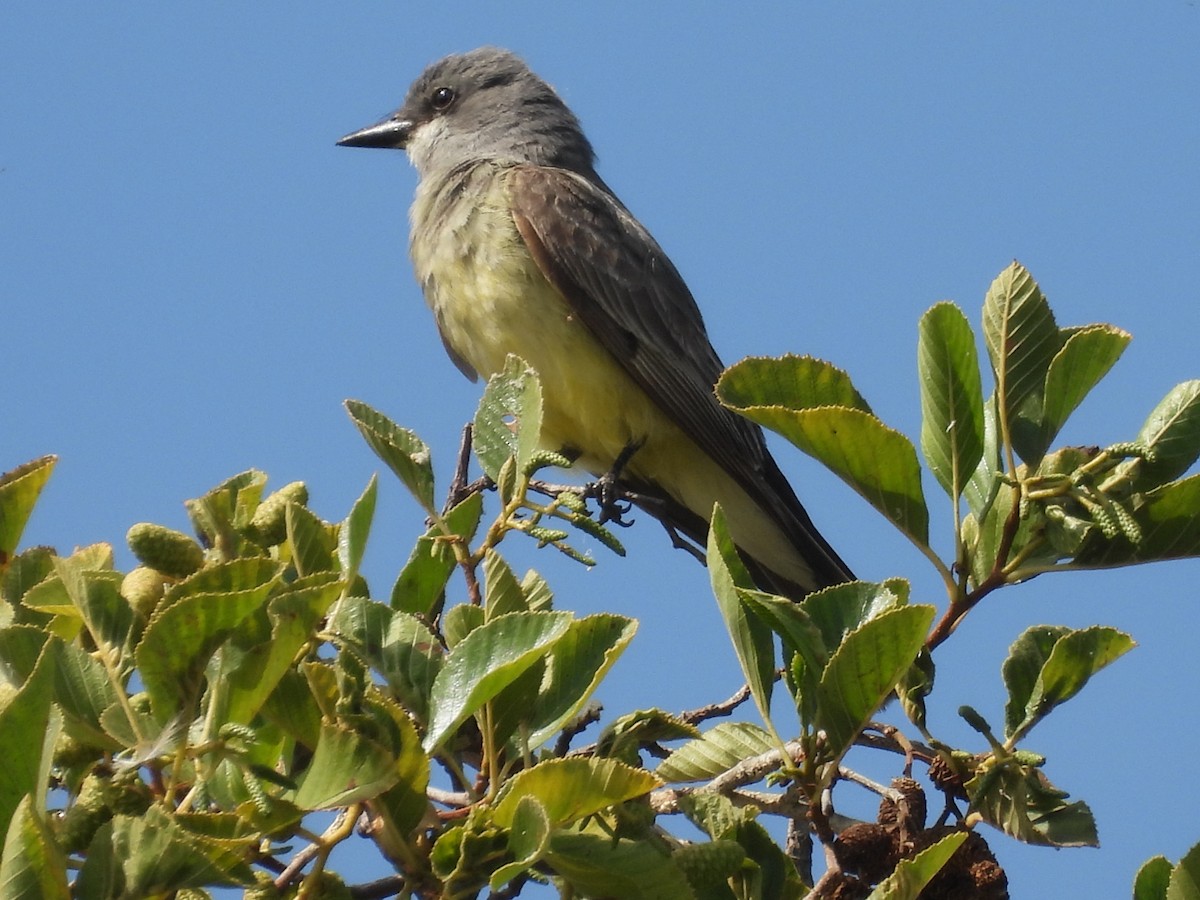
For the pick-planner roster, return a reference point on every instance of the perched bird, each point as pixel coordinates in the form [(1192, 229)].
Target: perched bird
[(521, 248)]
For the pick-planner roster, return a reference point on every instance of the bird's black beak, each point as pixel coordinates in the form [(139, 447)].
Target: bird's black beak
[(390, 134)]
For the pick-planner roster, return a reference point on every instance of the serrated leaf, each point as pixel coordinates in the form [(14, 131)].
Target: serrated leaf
[(951, 397), (19, 491), (1152, 879), (1074, 658), (312, 543), (396, 645), (793, 382), (878, 462), (96, 596), (752, 639), (352, 536), (577, 664), (981, 488), (346, 768), (501, 590), (24, 714), (509, 419), (157, 856), (1023, 666), (1085, 357), (294, 613), (1172, 431), (596, 865), (863, 671), (720, 748), (1185, 877), (180, 638), (528, 839), (1021, 337), (400, 449), (422, 581), (912, 875), (1021, 801), (486, 661), (572, 789), (32, 864)]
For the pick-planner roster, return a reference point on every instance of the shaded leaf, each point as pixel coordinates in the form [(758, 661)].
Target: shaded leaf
[(24, 716), (1084, 359), (1152, 879), (1169, 520), (1021, 801), (1172, 432), (596, 865), (1185, 877), (981, 488), (422, 581)]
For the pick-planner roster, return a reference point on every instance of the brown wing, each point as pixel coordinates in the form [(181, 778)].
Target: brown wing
[(628, 293)]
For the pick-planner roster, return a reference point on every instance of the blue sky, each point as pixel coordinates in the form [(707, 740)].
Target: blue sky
[(194, 277)]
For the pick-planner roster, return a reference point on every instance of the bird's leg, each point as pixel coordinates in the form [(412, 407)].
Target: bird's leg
[(614, 501)]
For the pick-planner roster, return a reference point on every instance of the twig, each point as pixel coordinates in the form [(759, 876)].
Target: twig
[(714, 710), (589, 716)]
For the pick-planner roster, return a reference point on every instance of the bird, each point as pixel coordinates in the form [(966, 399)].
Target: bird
[(520, 248)]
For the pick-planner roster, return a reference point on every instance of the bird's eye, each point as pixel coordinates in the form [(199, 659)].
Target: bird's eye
[(442, 98)]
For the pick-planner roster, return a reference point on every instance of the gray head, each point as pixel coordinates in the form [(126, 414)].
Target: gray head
[(482, 105)]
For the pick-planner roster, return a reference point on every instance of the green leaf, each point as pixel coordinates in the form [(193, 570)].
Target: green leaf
[(96, 596), (1185, 877), (312, 542), (573, 788), (752, 639), (294, 613), (345, 769), (1020, 800), (19, 491), (24, 715), (83, 691), (352, 536), (951, 397), (528, 840), (181, 637), (422, 581), (912, 875), (509, 419), (596, 865), (404, 806), (1169, 520), (501, 590), (32, 865), (718, 750), (864, 669), (878, 462), (1152, 880), (227, 509), (1172, 432), (159, 856), (1021, 337), (400, 449), (1084, 359), (397, 645), (576, 666), (792, 382), (984, 483), (484, 663), (1073, 660)]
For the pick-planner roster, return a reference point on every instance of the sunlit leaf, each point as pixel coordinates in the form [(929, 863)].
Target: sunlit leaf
[(951, 397), (719, 749), (484, 663), (19, 490), (793, 382), (912, 875), (509, 419), (573, 788), (346, 767), (400, 449), (32, 864)]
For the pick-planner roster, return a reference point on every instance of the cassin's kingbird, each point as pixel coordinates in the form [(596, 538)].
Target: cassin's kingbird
[(522, 249)]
